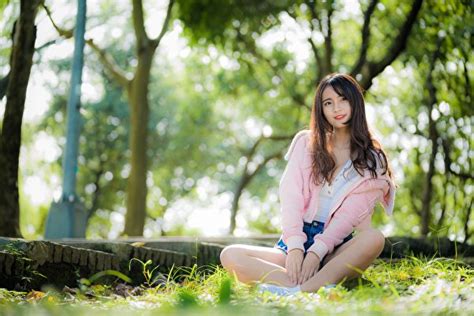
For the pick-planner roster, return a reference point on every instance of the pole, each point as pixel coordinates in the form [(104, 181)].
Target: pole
[(68, 217)]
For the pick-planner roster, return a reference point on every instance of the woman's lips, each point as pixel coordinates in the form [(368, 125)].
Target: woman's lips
[(340, 117)]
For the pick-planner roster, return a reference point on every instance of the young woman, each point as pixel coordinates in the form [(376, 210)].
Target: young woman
[(336, 173)]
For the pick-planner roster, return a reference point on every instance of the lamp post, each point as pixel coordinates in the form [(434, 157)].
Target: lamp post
[(68, 217)]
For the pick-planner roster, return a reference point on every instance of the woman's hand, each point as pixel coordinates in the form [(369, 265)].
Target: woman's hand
[(294, 259), (310, 266)]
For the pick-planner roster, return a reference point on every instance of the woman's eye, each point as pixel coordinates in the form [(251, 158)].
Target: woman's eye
[(344, 98)]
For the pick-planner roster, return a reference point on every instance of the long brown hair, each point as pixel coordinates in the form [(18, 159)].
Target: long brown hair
[(365, 150)]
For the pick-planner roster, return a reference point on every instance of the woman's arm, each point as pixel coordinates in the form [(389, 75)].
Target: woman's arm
[(355, 208), (291, 194)]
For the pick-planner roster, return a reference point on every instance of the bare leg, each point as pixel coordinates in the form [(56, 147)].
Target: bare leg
[(358, 252), (254, 263)]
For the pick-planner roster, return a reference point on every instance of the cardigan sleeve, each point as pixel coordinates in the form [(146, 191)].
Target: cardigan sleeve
[(291, 194), (355, 208)]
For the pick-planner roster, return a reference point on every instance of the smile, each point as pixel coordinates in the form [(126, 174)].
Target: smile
[(340, 117)]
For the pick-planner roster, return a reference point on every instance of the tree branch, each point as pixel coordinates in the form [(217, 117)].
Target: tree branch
[(467, 234), (4, 81), (246, 177), (251, 48), (105, 59), (281, 137), (62, 32), (398, 45), (139, 25), (315, 17), (4, 85), (110, 65), (164, 28), (243, 182), (328, 37), (275, 155), (467, 82), (314, 48), (49, 43), (448, 162), (365, 38)]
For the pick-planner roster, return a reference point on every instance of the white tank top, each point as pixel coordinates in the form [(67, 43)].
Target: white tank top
[(328, 192)]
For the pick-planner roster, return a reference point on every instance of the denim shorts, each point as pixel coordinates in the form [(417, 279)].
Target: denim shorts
[(311, 230)]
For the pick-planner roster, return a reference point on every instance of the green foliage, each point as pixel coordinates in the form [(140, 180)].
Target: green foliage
[(216, 21), (101, 274), (210, 102), (225, 291), (28, 273), (150, 280), (186, 299), (412, 285), (443, 24), (102, 151), (10, 11)]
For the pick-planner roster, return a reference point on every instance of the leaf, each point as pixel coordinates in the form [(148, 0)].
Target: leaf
[(3, 4), (334, 296), (115, 273), (35, 295), (187, 299), (225, 291), (135, 259)]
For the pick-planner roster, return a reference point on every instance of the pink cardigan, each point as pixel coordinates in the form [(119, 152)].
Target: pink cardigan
[(299, 201)]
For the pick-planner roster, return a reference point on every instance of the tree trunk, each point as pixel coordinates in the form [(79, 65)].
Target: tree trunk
[(467, 232), (139, 111), (20, 66), (244, 180), (428, 188), (433, 136)]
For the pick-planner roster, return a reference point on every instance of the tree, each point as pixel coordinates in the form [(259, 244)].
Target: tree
[(439, 172), (136, 90), (23, 45), (183, 139), (242, 22)]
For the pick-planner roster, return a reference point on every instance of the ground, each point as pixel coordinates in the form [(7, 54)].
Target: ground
[(408, 286)]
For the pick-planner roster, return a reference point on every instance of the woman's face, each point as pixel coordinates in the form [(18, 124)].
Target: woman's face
[(336, 108)]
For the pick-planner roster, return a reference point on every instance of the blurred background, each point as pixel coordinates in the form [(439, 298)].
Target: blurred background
[(230, 82)]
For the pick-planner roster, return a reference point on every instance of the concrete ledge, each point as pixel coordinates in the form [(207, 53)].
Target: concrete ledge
[(31, 264)]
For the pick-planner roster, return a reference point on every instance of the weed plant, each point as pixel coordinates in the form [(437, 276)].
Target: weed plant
[(413, 285)]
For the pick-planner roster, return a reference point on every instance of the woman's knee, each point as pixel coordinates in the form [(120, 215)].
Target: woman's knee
[(375, 241), (229, 255)]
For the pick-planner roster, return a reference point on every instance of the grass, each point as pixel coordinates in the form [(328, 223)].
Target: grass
[(435, 286)]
